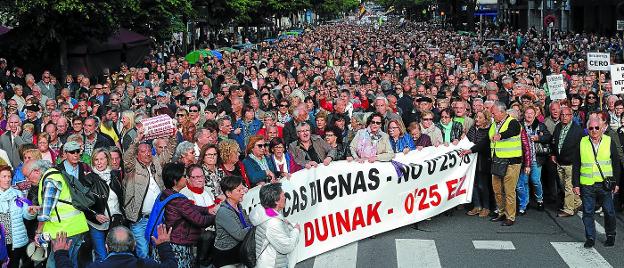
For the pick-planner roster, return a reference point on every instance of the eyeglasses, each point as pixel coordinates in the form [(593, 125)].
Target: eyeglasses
[(114, 99), (376, 123), (593, 128), (193, 111), (427, 119), (180, 115), (566, 114), (591, 98), (283, 105), (261, 145), (197, 177), (445, 116), (73, 152)]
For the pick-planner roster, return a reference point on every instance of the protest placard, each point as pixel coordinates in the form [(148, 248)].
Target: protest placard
[(157, 127), (617, 78), (556, 87), (598, 61)]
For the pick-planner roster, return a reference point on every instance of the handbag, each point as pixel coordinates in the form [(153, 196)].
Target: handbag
[(499, 166), (117, 220), (542, 149), (608, 184)]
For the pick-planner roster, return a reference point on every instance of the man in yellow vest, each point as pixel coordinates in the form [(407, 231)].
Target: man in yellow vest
[(505, 143), (597, 163), (57, 216)]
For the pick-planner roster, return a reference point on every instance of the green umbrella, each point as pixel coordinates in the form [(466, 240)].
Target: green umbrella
[(194, 56)]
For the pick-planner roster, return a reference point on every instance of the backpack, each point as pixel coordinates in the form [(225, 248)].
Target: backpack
[(157, 216), (82, 196), (247, 250)]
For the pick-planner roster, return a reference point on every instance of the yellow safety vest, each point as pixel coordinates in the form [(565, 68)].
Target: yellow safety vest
[(505, 148), (73, 221), (590, 173)]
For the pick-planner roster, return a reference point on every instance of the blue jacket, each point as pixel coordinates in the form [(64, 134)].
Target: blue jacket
[(18, 229), (254, 172), (246, 131), (403, 142)]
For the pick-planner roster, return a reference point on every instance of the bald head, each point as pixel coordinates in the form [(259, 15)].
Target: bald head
[(120, 239)]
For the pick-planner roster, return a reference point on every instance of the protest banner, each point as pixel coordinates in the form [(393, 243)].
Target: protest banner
[(347, 201), (617, 78), (556, 87), (157, 127), (598, 61)]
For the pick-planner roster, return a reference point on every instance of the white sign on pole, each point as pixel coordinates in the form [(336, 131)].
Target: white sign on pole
[(556, 87), (598, 61), (620, 25), (617, 78)]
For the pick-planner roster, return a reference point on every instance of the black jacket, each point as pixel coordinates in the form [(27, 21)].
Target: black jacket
[(101, 141), (570, 145), (101, 203), (167, 259)]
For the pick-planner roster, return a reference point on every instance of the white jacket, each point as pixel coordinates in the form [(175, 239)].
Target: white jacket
[(274, 238)]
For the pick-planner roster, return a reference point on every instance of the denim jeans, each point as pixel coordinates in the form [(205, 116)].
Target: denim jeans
[(138, 229), (76, 241), (99, 241), (589, 195), (523, 185)]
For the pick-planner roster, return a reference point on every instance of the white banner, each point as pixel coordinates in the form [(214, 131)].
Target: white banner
[(157, 126), (617, 78), (598, 61), (345, 202), (556, 87)]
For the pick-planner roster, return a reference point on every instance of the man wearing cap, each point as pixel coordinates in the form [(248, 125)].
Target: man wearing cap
[(31, 117), (57, 212), (143, 184)]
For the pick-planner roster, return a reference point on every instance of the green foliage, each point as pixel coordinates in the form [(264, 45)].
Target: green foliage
[(330, 9), (158, 18)]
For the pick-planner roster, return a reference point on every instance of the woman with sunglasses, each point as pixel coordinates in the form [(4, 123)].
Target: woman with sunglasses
[(371, 144), (451, 130), (591, 102), (257, 164)]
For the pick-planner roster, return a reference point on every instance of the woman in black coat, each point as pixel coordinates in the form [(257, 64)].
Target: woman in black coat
[(483, 177)]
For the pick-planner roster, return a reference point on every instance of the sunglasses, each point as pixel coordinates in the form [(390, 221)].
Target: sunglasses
[(180, 115), (593, 128), (591, 98), (261, 145), (73, 152), (427, 119), (376, 123), (193, 111)]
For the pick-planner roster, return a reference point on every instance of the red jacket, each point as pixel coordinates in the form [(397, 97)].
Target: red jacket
[(186, 219)]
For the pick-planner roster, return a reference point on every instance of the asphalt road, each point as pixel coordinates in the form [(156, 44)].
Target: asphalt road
[(538, 239)]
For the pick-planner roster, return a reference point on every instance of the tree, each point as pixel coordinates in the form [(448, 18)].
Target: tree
[(158, 18), (41, 24), (330, 9)]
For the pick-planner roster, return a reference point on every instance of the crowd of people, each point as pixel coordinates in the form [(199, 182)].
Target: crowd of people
[(254, 117)]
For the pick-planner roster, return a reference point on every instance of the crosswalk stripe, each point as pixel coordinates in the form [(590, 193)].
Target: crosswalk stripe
[(493, 244), (342, 257), (575, 255), (417, 252), (599, 228)]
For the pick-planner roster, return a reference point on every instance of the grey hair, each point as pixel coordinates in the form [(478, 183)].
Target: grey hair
[(270, 194), (298, 109), (201, 131), (41, 165), (183, 148), (507, 80), (302, 124), (116, 242), (500, 106), (595, 119)]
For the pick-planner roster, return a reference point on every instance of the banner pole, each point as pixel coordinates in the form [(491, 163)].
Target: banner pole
[(600, 91)]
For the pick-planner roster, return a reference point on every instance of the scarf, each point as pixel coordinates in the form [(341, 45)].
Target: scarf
[(261, 162), (196, 190), (447, 131), (104, 174)]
